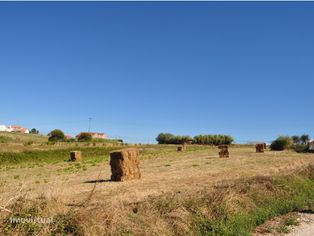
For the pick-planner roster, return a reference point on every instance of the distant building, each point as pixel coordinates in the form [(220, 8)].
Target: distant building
[(4, 128), (68, 136), (95, 135), (18, 129)]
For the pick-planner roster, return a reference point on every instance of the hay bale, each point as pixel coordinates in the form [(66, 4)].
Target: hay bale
[(125, 164), (260, 147), (224, 152), (76, 155)]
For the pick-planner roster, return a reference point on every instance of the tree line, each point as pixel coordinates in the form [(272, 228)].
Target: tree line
[(298, 143), (216, 139)]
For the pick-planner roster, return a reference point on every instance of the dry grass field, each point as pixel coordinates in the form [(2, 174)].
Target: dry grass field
[(170, 199)]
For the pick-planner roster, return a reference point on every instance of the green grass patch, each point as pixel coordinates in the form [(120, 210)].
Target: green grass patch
[(4, 139), (96, 154), (256, 201)]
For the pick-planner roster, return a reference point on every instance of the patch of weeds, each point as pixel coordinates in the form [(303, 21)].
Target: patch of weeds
[(37, 182), (2, 184), (16, 176), (46, 181), (66, 224), (78, 166), (195, 165), (167, 165), (28, 143), (291, 221), (282, 229), (68, 169), (268, 230)]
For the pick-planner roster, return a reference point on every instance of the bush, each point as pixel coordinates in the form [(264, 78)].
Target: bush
[(281, 143), (28, 143), (34, 131), (84, 137), (167, 138), (305, 138), (56, 135), (4, 139), (301, 148), (216, 139), (164, 138)]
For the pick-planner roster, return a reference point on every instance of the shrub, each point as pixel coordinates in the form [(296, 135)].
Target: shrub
[(56, 135), (296, 139), (34, 131), (84, 137), (4, 139), (216, 139), (28, 143), (164, 138), (281, 143), (305, 138), (167, 138), (301, 148)]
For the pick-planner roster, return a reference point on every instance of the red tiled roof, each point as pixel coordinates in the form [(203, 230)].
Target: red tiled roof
[(17, 127)]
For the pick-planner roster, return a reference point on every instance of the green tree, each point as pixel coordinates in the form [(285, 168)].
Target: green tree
[(56, 135), (164, 138), (281, 143), (305, 138), (34, 131), (296, 139)]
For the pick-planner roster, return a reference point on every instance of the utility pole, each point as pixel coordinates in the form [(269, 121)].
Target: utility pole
[(89, 123)]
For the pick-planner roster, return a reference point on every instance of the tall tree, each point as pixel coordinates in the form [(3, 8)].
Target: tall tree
[(305, 138), (296, 139)]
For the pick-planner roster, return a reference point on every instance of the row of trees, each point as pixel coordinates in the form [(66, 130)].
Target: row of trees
[(216, 139), (167, 138), (298, 143), (57, 135)]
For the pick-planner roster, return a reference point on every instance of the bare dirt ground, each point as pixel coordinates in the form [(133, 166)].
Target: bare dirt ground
[(291, 224), (305, 227), (167, 174)]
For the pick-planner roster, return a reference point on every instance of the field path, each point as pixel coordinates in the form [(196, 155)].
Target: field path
[(306, 227)]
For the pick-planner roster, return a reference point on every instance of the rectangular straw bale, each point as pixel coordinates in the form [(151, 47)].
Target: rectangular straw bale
[(125, 164)]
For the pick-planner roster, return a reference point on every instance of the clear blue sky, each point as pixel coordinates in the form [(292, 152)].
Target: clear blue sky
[(245, 69)]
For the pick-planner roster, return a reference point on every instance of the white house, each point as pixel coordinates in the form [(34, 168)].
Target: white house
[(19, 129), (4, 128)]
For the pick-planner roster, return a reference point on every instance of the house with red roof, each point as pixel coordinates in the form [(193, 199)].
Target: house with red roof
[(18, 129), (95, 135)]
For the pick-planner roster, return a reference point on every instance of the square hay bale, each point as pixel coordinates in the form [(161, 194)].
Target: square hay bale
[(125, 164), (224, 152), (76, 155), (260, 147)]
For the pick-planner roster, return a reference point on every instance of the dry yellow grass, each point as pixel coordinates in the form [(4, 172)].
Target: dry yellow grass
[(186, 172)]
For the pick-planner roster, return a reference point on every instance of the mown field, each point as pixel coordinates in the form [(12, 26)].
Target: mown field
[(181, 193)]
